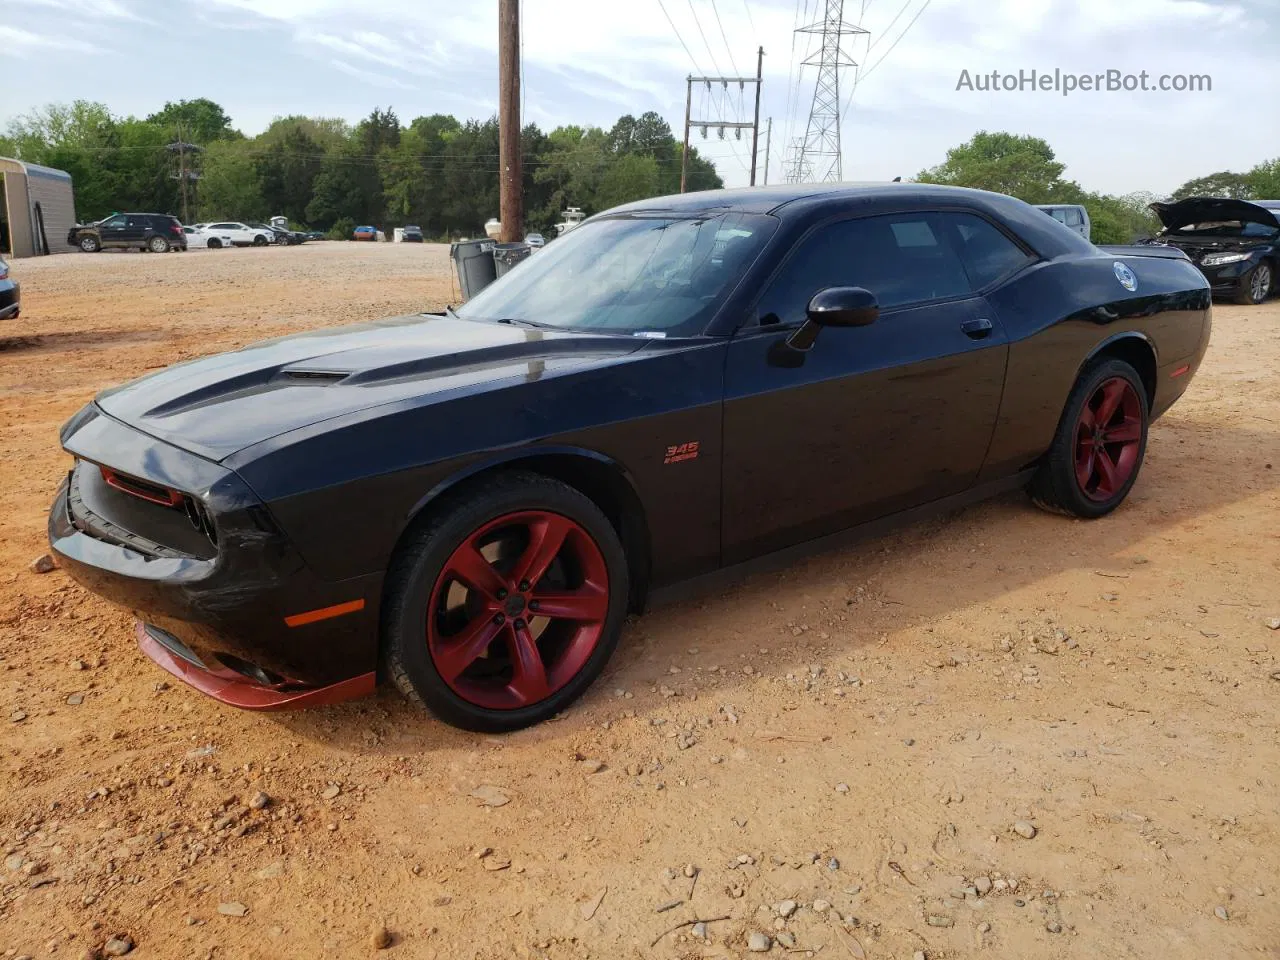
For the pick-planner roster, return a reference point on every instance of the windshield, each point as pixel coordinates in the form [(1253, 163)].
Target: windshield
[(629, 275)]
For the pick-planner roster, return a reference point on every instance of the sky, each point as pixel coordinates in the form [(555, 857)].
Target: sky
[(590, 61)]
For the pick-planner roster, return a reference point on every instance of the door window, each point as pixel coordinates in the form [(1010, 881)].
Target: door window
[(902, 259), (116, 221), (987, 253)]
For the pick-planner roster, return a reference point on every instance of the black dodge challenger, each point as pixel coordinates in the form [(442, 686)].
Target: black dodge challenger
[(469, 503)]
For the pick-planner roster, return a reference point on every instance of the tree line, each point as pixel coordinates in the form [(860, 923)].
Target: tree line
[(1026, 167), (437, 171), (442, 173)]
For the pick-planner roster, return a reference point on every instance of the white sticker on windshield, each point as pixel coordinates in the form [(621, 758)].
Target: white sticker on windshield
[(650, 334)]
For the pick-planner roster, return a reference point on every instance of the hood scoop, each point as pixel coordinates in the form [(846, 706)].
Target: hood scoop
[(318, 378)]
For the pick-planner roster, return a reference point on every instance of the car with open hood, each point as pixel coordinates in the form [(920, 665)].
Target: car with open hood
[(1235, 243), (467, 504)]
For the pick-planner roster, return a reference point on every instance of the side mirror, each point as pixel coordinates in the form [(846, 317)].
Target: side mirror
[(835, 307), (843, 307)]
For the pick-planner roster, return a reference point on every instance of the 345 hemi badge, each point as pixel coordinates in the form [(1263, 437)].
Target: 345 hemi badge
[(682, 451)]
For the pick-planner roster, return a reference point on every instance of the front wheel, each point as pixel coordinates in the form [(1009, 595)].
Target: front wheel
[(505, 607), (1255, 285), (1099, 446), (214, 243), (259, 241), (90, 244)]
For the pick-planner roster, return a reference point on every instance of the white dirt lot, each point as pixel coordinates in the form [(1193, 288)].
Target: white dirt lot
[(858, 734)]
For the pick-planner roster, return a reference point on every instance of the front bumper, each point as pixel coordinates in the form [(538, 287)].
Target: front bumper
[(1225, 279), (235, 615), (234, 689)]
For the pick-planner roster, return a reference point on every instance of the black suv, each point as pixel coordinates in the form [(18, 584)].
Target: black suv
[(156, 232)]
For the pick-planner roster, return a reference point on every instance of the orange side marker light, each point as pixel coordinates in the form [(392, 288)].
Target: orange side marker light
[(324, 613)]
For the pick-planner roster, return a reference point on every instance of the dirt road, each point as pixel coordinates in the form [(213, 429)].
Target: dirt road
[(838, 757)]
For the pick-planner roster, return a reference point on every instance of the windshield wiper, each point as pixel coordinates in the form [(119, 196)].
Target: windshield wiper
[(517, 321)]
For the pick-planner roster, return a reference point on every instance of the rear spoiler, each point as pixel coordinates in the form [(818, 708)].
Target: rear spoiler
[(1159, 251)]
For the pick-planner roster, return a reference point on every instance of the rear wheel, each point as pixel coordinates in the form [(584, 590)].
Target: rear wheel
[(90, 244), (1099, 446), (506, 606), (1255, 285), (158, 245)]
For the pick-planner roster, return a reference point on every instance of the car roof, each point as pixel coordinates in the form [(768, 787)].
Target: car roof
[(773, 199)]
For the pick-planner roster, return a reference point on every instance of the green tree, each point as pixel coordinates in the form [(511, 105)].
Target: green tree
[(1024, 167), (202, 120), (1264, 180), (229, 185), (1221, 184), (629, 177), (286, 171)]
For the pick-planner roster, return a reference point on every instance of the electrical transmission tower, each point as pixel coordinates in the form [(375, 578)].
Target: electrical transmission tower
[(819, 158)]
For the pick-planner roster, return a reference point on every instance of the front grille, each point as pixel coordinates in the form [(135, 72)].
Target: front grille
[(130, 512)]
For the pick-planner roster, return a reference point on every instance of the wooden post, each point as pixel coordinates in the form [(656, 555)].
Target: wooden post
[(684, 157), (511, 184), (755, 129)]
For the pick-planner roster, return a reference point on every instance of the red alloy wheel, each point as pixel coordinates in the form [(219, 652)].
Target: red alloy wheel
[(1108, 439), (518, 609)]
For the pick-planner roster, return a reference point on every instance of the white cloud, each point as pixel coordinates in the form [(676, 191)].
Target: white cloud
[(22, 43), (368, 76)]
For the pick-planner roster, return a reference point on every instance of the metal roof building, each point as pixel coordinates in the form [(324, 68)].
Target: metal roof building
[(37, 209)]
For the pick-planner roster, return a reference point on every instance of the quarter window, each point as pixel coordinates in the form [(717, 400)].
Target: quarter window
[(987, 253)]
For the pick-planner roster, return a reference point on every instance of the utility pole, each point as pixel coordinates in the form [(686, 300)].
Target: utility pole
[(755, 129), (768, 142), (184, 176), (511, 185), (720, 124), (684, 157)]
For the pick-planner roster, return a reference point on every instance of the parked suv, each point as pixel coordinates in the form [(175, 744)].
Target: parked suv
[(156, 232)]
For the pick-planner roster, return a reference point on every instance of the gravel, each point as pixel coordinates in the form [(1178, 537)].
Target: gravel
[(118, 946), (759, 942)]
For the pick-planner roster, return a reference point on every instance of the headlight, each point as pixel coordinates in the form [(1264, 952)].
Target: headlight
[(1218, 259)]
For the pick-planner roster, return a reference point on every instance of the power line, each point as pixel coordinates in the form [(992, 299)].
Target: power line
[(750, 19), (678, 37), (704, 37), (727, 48), (905, 31)]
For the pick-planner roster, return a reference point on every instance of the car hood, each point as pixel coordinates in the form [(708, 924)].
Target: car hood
[(218, 405), (1209, 209)]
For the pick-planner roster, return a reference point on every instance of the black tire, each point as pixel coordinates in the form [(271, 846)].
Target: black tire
[(90, 244), (158, 244), (1255, 286), (259, 241), (1055, 486), (419, 562), (214, 243)]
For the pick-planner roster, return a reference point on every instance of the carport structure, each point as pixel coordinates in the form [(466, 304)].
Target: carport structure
[(37, 209)]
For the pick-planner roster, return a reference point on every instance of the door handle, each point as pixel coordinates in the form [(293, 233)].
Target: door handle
[(977, 329)]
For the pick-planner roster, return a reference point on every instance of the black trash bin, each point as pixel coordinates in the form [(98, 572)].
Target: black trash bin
[(475, 264), (507, 255)]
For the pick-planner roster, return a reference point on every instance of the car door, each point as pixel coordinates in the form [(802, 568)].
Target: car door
[(113, 232), (135, 231), (874, 419)]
